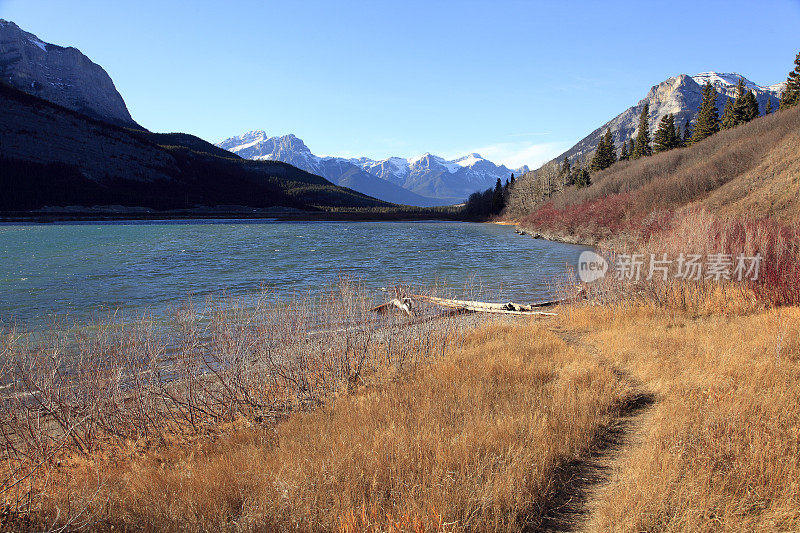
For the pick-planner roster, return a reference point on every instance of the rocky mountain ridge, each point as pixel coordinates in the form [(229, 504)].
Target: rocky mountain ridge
[(62, 75), (424, 180), (679, 95)]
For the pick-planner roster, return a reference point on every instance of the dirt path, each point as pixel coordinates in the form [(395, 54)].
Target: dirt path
[(578, 482)]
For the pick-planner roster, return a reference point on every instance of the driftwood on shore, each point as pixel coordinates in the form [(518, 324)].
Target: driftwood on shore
[(509, 308), (405, 303)]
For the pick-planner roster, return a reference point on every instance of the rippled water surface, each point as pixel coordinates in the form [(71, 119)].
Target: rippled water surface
[(78, 269)]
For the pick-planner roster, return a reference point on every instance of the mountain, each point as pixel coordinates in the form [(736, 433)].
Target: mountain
[(681, 96), (54, 156), (67, 139), (289, 149), (424, 181), (61, 75)]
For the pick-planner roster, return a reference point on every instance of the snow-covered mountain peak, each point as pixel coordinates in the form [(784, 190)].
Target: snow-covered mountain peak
[(469, 160), (424, 180), (724, 80)]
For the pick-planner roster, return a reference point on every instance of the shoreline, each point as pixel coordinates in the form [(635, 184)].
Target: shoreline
[(553, 237), (400, 216)]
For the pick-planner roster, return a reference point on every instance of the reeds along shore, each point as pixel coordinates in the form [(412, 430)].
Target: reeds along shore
[(79, 392)]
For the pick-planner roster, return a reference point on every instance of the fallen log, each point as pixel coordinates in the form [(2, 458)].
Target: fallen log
[(403, 304), (509, 308)]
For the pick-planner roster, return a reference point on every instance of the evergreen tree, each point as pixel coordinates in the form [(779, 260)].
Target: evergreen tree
[(498, 198), (582, 178), (745, 107), (687, 133), (642, 147), (606, 153), (678, 139), (566, 171), (664, 138), (791, 94), (768, 107), (630, 149), (750, 108), (707, 117), (599, 157), (611, 149), (739, 104), (623, 154), (729, 119)]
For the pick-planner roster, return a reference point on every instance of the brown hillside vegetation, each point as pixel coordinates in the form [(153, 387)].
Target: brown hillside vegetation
[(482, 439), (751, 171)]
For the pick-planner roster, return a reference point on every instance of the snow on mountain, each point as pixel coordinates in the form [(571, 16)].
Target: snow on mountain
[(424, 180), (681, 96), (61, 75)]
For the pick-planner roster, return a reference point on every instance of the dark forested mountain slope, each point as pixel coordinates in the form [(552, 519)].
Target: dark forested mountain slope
[(54, 156)]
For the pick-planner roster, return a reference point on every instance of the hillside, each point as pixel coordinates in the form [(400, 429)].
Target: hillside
[(54, 156), (752, 171), (679, 95)]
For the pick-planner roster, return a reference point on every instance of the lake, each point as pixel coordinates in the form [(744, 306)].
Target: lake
[(80, 269)]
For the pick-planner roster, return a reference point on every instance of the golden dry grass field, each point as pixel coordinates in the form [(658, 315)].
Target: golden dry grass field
[(490, 437)]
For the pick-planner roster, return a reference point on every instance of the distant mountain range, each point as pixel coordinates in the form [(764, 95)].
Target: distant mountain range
[(67, 139), (681, 96), (423, 181)]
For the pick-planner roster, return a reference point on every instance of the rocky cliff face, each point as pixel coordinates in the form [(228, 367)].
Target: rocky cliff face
[(680, 96), (423, 181), (60, 75)]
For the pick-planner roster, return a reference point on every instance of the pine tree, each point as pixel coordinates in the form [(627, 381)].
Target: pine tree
[(687, 133), (768, 107), (606, 153), (642, 147), (582, 178), (791, 94), (599, 158), (750, 110), (498, 198), (664, 138), (728, 116), (707, 117), (566, 171), (611, 149), (623, 154), (678, 139), (739, 105), (630, 149)]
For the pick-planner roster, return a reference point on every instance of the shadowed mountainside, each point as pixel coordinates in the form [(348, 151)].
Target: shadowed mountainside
[(53, 156)]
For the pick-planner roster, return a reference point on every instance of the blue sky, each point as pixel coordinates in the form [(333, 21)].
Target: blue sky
[(517, 81)]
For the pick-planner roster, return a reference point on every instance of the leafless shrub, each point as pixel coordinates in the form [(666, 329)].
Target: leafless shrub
[(75, 391)]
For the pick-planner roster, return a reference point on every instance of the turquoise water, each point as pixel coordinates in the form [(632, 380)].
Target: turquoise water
[(81, 269)]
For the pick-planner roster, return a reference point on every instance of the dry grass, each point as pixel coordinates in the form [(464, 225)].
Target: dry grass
[(74, 394), (471, 442), (478, 437), (750, 171), (720, 449)]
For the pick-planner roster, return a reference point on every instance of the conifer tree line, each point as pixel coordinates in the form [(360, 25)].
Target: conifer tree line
[(491, 202), (739, 110), (791, 93), (521, 197)]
